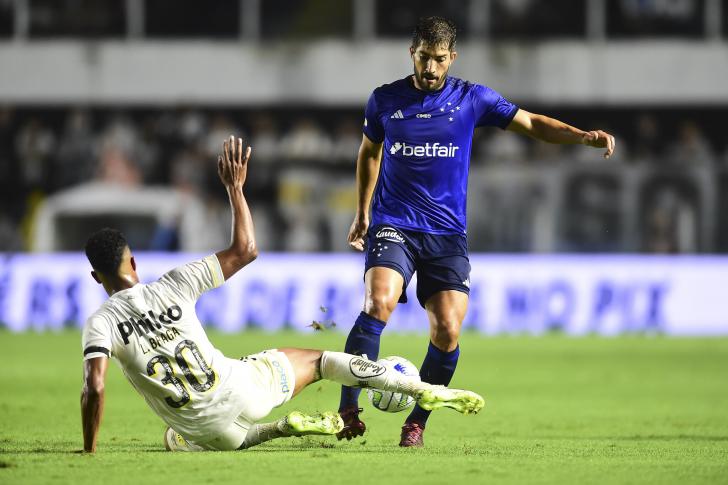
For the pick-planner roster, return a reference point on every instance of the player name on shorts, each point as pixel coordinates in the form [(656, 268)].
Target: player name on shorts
[(428, 150), (144, 324)]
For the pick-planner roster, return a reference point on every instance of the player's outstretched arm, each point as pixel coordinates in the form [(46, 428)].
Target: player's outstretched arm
[(232, 167), (367, 171), (551, 130), (92, 400)]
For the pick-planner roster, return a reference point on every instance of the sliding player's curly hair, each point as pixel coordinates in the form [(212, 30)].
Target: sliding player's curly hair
[(104, 250), (435, 31)]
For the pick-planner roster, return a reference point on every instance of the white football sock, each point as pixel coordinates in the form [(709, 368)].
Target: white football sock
[(354, 371)]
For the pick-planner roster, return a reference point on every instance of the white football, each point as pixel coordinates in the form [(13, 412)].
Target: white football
[(394, 402)]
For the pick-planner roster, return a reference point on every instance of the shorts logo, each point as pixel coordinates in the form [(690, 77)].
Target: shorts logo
[(365, 369), (282, 374), (390, 234)]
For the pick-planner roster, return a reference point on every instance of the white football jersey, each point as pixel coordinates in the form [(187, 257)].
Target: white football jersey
[(154, 334)]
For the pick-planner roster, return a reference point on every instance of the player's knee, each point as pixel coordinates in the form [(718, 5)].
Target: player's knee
[(445, 335), (380, 306)]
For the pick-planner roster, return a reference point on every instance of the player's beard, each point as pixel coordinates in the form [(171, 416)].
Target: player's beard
[(426, 86)]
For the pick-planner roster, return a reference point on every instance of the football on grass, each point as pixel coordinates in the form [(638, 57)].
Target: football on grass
[(394, 402)]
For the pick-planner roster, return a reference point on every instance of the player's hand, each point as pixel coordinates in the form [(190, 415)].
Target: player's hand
[(357, 232), (599, 139), (232, 165)]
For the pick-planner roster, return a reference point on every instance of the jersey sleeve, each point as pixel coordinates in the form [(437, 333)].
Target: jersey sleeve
[(193, 279), (492, 109), (96, 338), (373, 128)]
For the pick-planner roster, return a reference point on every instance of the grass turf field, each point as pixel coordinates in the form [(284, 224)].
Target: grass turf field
[(558, 410)]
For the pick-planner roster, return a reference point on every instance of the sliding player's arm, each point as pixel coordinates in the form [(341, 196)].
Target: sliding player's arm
[(367, 172), (232, 167), (551, 130), (92, 400)]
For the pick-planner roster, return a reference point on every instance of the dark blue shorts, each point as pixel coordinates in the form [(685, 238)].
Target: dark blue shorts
[(441, 261)]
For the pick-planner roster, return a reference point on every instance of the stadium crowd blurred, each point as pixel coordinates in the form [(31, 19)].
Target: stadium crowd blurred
[(68, 166), (284, 19), (301, 182)]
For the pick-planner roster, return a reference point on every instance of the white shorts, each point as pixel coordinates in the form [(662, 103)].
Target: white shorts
[(262, 382)]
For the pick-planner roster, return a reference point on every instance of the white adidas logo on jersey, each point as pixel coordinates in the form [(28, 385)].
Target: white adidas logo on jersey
[(397, 115)]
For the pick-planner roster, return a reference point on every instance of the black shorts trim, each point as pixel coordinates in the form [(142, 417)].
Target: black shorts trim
[(422, 298), (398, 269)]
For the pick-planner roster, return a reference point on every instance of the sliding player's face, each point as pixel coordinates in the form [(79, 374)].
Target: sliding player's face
[(431, 65)]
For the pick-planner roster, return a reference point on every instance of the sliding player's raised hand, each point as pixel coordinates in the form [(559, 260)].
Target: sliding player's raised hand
[(599, 139), (232, 165)]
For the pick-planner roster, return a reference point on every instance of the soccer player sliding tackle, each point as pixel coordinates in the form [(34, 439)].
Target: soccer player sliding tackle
[(211, 402), (412, 176)]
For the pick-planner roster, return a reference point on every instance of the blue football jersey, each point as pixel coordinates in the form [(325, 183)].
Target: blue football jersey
[(427, 137)]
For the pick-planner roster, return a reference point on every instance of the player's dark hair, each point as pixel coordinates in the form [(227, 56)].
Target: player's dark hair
[(104, 250), (434, 31)]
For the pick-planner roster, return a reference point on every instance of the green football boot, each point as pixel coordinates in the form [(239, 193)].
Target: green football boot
[(436, 397), (298, 424)]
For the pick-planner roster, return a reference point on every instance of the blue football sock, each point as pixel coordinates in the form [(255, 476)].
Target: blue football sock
[(437, 368), (363, 339)]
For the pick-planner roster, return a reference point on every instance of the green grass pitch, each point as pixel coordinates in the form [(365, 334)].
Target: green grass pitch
[(558, 410)]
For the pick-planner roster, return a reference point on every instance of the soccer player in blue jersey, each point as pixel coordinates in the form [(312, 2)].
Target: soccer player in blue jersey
[(412, 172)]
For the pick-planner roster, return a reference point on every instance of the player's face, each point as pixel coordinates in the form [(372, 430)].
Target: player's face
[(431, 65)]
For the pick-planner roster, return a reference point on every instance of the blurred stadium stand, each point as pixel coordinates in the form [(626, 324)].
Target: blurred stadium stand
[(116, 109)]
